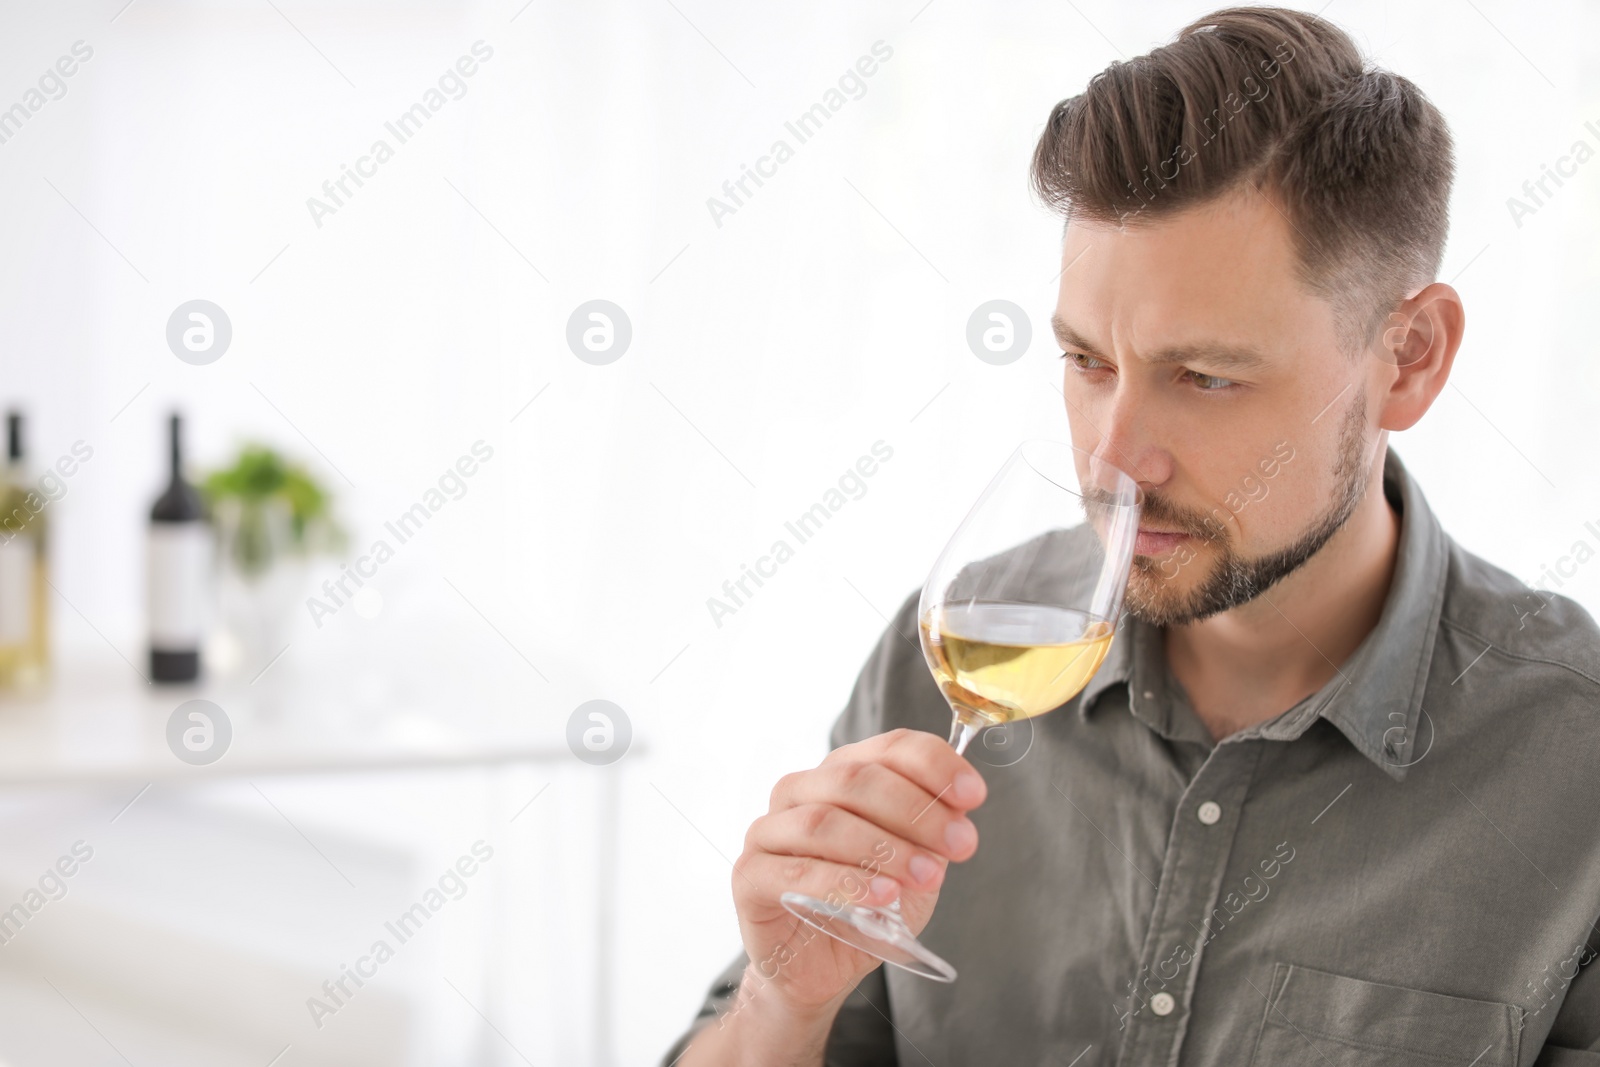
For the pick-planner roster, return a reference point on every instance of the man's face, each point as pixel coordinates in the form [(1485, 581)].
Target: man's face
[(1197, 362)]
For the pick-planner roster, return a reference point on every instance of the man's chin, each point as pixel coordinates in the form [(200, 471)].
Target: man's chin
[(1154, 592), (1160, 591)]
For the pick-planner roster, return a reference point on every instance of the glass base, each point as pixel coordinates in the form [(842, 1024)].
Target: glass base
[(879, 932)]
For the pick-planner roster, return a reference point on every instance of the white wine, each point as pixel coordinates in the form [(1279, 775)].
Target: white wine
[(24, 604), (1010, 661)]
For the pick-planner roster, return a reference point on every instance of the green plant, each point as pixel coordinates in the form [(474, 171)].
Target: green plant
[(262, 482)]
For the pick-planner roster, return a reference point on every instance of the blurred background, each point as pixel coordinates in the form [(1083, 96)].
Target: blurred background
[(358, 247)]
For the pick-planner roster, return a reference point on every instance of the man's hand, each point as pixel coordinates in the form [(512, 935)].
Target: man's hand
[(876, 820)]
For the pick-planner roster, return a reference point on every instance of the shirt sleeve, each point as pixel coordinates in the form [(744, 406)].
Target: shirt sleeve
[(892, 689)]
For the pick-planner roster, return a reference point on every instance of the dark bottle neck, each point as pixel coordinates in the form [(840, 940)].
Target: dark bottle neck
[(180, 502), (176, 437)]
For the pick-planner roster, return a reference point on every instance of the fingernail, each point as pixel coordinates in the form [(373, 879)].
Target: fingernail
[(884, 888), (969, 788), (923, 869), (961, 835)]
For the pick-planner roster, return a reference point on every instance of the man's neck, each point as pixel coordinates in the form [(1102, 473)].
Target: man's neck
[(1254, 662)]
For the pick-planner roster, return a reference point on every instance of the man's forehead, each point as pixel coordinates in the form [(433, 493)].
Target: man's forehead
[(1203, 275), (1244, 225)]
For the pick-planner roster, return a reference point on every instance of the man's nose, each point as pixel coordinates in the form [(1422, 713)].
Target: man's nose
[(1128, 440)]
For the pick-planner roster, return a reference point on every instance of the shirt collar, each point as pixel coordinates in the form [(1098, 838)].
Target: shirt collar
[(1375, 699)]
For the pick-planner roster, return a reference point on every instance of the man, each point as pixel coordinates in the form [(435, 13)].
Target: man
[(1332, 797)]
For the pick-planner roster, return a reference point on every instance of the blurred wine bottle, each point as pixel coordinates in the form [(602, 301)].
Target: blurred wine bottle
[(179, 574), (24, 606)]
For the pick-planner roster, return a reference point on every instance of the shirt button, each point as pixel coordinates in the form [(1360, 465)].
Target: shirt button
[(1149, 694), (1210, 812), (1162, 1004)]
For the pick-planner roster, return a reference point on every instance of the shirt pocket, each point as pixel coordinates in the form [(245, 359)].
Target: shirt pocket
[(1313, 1017)]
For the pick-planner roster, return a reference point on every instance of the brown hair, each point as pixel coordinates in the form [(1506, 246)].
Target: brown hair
[(1356, 159)]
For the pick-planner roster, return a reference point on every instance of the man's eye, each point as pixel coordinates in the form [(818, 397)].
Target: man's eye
[(1208, 383), (1082, 361)]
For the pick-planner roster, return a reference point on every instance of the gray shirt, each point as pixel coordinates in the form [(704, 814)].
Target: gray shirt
[(1402, 868)]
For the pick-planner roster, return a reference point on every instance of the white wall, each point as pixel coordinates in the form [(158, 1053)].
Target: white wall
[(768, 353)]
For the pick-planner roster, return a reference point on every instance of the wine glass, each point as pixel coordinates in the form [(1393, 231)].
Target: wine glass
[(1016, 616)]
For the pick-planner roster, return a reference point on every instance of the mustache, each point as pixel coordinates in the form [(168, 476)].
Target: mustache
[(1159, 511), (1163, 512)]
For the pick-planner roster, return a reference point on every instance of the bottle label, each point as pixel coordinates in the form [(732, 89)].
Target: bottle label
[(179, 593), (16, 590)]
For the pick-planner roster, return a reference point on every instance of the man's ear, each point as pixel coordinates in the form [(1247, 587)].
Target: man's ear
[(1418, 344)]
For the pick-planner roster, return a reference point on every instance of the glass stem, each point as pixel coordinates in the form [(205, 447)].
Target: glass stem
[(962, 730)]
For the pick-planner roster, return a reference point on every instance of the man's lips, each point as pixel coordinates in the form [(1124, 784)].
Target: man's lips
[(1157, 542)]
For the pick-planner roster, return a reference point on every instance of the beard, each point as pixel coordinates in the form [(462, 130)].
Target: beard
[(1235, 579)]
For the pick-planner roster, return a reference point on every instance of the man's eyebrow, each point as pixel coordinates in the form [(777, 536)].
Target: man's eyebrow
[(1212, 354), (1067, 335)]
